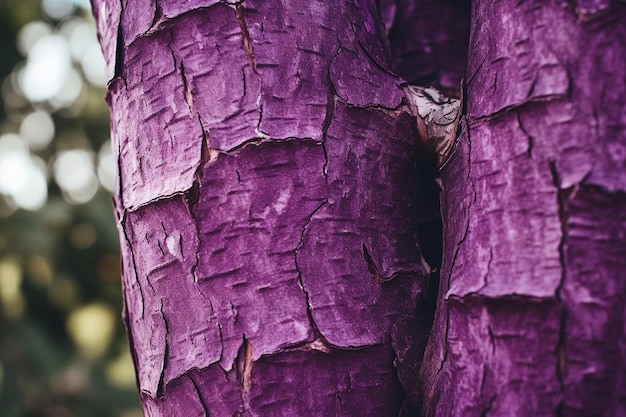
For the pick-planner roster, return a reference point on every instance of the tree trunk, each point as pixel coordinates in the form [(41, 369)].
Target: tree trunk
[(268, 218), (531, 318), (266, 206)]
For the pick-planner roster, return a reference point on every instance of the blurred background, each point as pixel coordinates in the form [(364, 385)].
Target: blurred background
[(63, 350)]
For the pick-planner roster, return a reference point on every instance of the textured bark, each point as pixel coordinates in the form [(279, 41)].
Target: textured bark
[(266, 207), (531, 320)]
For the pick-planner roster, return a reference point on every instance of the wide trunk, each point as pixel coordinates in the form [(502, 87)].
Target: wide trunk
[(266, 206)]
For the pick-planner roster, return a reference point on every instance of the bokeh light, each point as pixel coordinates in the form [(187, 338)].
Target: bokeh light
[(37, 129), (58, 9), (63, 348), (106, 167), (47, 68), (22, 176), (74, 173), (91, 329)]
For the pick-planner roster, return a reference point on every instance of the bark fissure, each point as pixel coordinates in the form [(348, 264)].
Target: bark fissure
[(244, 374), (119, 46), (531, 139), (368, 55), (563, 196), (330, 110), (371, 265), (187, 94), (446, 298), (198, 390), (309, 308), (166, 22), (133, 261), (487, 409), (161, 384), (470, 179), (158, 16), (245, 35), (487, 272)]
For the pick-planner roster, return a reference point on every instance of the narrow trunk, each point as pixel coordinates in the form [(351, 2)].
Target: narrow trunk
[(266, 208), (531, 315)]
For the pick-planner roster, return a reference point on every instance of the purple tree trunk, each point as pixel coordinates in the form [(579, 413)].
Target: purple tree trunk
[(267, 212), (265, 202), (531, 318)]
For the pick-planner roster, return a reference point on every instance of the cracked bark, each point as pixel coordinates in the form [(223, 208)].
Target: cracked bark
[(286, 215), (527, 323), (239, 198)]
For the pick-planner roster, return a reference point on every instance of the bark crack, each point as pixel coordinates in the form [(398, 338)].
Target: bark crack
[(563, 212), (132, 258), (330, 110), (487, 409), (368, 54), (187, 91), (487, 272), (531, 139), (471, 202), (205, 406), (162, 383), (119, 46), (158, 16), (245, 34), (371, 265), (309, 309), (244, 373)]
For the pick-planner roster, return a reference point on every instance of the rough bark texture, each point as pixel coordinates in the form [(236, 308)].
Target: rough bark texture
[(265, 204), (531, 320)]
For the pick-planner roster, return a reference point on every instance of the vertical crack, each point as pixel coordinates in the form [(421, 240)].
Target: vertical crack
[(330, 109), (309, 310), (132, 258), (161, 384), (563, 196), (192, 196), (245, 34), (119, 46), (371, 265), (187, 91), (244, 374), (531, 139), (158, 17), (203, 403), (473, 199), (192, 200)]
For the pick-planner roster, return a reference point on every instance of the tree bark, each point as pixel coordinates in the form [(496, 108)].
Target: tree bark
[(531, 318), (268, 218), (266, 208)]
